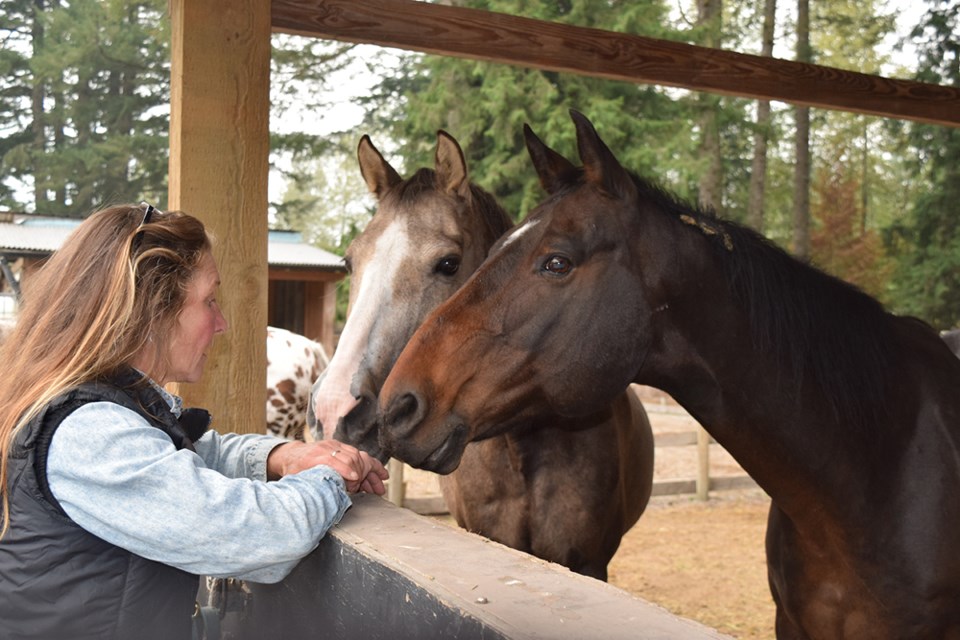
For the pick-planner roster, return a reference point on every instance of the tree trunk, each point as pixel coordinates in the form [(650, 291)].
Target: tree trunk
[(758, 170), (37, 126), (801, 174), (709, 14), (864, 177)]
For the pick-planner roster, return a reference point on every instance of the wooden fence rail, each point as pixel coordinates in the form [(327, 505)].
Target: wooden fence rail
[(700, 486), (703, 483), (385, 572)]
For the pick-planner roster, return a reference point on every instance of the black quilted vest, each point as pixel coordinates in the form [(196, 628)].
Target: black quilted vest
[(58, 581)]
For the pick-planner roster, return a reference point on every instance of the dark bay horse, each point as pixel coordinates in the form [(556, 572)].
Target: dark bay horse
[(848, 416), (563, 490), (952, 338)]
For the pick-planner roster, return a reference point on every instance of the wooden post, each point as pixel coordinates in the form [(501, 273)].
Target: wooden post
[(219, 164), (320, 310), (703, 463), (396, 489)]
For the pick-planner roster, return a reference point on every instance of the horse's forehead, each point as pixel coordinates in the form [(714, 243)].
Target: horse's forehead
[(385, 232), (379, 264), (392, 243), (429, 213), (434, 215), (518, 233), (584, 215)]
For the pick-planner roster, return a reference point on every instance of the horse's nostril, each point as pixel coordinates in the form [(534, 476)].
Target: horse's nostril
[(403, 407), (403, 414)]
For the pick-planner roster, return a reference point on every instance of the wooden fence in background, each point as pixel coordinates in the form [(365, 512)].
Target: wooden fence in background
[(703, 483), (655, 403)]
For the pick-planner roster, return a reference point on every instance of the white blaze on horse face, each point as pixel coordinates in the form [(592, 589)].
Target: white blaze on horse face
[(335, 397), (518, 233)]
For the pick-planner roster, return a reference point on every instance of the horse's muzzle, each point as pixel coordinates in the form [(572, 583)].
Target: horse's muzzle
[(405, 431)]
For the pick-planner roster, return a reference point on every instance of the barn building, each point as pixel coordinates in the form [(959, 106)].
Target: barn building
[(302, 279)]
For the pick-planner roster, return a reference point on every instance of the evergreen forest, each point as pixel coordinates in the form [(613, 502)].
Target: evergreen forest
[(84, 120)]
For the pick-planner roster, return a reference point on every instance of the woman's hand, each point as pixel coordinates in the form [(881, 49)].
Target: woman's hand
[(359, 471)]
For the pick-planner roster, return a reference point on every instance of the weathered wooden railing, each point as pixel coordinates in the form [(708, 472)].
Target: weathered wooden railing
[(701, 485), (386, 572)]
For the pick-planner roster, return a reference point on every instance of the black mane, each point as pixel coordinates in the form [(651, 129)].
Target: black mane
[(820, 328)]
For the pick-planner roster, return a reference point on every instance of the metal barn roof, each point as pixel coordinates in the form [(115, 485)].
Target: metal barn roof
[(287, 249), (39, 236)]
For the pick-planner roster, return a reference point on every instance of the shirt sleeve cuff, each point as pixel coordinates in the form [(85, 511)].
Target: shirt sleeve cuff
[(257, 457)]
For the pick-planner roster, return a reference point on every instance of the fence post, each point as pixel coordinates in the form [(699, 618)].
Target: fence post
[(703, 463), (396, 485)]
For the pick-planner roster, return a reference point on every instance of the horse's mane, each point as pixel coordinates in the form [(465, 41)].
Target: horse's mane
[(496, 220), (819, 327)]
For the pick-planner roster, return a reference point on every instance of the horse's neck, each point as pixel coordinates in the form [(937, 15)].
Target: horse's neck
[(772, 434), (743, 397)]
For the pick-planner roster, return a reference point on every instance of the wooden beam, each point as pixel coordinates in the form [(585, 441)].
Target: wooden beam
[(495, 37), (219, 149), (304, 275), (320, 314)]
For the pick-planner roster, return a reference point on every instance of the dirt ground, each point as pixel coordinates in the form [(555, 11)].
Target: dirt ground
[(700, 560)]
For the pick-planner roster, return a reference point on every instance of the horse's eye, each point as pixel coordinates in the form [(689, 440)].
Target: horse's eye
[(348, 264), (448, 266), (557, 265)]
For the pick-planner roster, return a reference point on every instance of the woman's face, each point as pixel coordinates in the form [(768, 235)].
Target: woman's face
[(198, 322)]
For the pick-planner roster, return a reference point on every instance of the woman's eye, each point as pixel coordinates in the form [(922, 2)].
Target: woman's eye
[(448, 265), (558, 265)]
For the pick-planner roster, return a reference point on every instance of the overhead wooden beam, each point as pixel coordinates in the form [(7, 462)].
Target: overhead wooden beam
[(496, 37)]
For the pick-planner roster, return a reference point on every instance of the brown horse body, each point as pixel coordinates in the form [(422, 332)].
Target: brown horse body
[(849, 417), (563, 490)]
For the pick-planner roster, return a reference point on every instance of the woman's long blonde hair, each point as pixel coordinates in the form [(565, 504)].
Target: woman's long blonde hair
[(115, 284)]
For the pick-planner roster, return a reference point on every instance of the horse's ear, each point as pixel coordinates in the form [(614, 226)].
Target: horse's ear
[(600, 166), (377, 172), (451, 166), (552, 168)]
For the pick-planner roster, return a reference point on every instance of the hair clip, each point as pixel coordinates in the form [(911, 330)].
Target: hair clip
[(148, 212)]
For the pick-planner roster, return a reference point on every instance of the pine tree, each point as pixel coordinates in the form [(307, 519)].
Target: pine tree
[(801, 175), (84, 101), (839, 244), (484, 106), (761, 136), (98, 103), (16, 32), (927, 242)]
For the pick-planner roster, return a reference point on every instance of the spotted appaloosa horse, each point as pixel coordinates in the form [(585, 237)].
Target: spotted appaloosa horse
[(846, 415), (563, 490), (293, 363)]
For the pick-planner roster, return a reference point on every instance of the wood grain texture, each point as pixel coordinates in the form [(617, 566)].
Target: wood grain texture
[(219, 149), (483, 35), (385, 572)]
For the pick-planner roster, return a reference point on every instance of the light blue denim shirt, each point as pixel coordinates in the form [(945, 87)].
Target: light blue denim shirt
[(209, 513)]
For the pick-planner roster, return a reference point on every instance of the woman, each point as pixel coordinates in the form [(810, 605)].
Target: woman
[(115, 498)]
